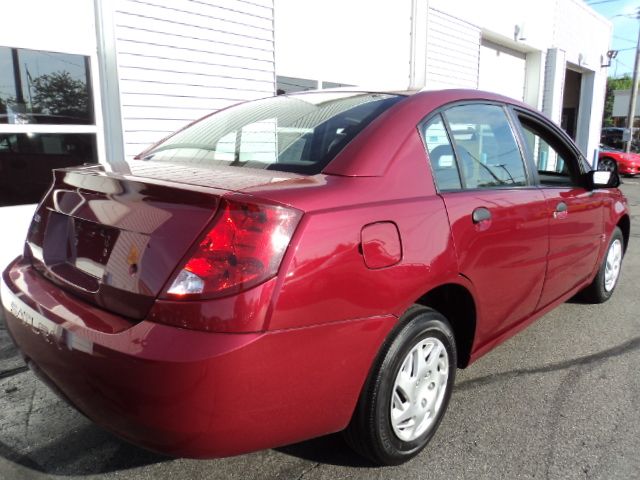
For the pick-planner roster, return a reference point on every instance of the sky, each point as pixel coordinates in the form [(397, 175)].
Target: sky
[(621, 13)]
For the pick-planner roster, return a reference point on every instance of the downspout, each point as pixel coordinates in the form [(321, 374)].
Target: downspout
[(110, 86), (418, 45)]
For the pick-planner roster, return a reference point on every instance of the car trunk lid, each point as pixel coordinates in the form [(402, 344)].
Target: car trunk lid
[(114, 240)]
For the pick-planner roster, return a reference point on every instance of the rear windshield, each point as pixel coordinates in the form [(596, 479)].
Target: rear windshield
[(298, 133)]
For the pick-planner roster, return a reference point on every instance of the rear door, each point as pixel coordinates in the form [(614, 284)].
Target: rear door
[(497, 215), (575, 214)]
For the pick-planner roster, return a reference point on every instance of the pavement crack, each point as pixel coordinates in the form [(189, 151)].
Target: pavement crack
[(566, 386), (616, 351), (304, 472), (28, 419), (13, 371)]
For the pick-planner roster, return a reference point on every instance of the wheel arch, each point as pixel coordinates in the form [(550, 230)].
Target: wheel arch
[(624, 224), (457, 304)]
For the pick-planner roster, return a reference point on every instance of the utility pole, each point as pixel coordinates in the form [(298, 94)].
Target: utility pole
[(634, 91)]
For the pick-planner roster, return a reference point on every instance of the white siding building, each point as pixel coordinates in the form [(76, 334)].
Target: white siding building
[(547, 53), (134, 71), (180, 60), (152, 66)]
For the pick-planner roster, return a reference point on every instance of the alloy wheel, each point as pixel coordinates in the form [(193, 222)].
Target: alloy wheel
[(607, 164)]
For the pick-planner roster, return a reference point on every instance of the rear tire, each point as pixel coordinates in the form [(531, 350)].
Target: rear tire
[(408, 390), (603, 285)]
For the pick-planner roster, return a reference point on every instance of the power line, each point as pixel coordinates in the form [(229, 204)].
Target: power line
[(623, 38), (57, 58), (600, 2), (618, 62)]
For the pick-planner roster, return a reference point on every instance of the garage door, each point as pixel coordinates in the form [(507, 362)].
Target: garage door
[(502, 70)]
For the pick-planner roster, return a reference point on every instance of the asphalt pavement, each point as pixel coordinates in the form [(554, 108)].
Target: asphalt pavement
[(560, 400)]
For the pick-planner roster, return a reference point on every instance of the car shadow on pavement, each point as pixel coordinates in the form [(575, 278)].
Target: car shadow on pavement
[(85, 451), (330, 449), (578, 300)]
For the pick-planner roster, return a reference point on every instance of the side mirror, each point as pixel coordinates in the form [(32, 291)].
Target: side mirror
[(603, 179)]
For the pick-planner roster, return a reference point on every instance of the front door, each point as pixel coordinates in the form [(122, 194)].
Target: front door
[(575, 214)]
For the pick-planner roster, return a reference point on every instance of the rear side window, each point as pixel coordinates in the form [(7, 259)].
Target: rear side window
[(441, 156), (298, 133), (486, 148)]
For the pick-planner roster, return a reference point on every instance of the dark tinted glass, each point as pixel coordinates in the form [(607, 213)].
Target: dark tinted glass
[(486, 148), (44, 87), (299, 133), (26, 161)]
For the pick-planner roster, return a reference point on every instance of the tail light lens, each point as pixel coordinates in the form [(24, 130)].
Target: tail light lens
[(244, 247)]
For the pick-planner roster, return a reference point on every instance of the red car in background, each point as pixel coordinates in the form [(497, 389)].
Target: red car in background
[(306, 264), (628, 163)]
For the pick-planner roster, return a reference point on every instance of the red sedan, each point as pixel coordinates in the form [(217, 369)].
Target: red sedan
[(628, 163), (306, 264)]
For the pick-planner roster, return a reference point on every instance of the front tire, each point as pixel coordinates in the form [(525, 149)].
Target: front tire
[(607, 164), (408, 390), (603, 285)]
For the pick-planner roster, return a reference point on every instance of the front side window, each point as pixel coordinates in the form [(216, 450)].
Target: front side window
[(554, 168), (486, 148), (299, 133)]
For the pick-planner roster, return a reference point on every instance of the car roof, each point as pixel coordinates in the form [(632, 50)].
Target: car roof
[(369, 153), (465, 93)]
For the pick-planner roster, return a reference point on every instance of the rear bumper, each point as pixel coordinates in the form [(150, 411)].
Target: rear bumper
[(190, 393)]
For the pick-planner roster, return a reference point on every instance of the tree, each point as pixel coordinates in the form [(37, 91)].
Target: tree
[(622, 83), (58, 93)]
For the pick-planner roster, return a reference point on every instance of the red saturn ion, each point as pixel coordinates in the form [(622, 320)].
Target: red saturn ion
[(306, 264)]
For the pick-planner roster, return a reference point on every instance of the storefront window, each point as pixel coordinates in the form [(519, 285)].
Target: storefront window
[(44, 87), (293, 84), (26, 161), (46, 120)]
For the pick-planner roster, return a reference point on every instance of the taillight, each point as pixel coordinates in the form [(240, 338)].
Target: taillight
[(244, 247)]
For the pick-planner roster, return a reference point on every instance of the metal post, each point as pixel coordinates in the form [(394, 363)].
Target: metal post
[(17, 77), (634, 93)]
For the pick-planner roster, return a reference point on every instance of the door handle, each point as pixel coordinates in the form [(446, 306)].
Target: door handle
[(480, 214), (561, 210)]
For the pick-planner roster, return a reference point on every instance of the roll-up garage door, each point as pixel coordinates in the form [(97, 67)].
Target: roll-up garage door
[(502, 70)]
